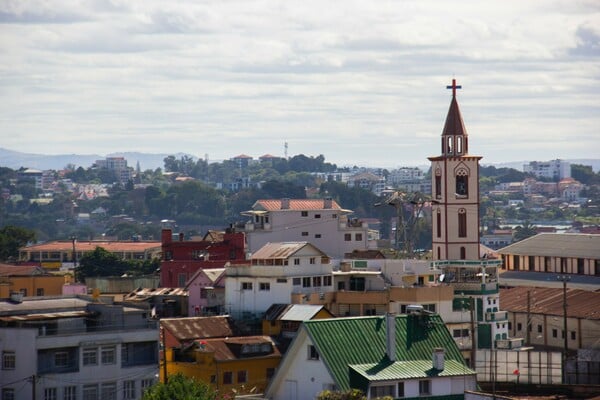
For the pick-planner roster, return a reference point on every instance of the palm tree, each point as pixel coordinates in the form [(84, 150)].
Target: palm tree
[(524, 231)]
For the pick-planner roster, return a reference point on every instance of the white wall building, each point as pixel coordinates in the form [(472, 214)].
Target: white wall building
[(321, 222), (554, 169), (277, 271), (70, 348)]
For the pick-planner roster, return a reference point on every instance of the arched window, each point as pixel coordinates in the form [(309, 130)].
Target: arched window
[(463, 253), (459, 145), (462, 182), (450, 149), (438, 183), (462, 223)]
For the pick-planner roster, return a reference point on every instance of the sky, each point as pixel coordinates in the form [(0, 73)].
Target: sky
[(361, 82)]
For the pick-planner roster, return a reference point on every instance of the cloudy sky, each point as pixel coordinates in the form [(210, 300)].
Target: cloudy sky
[(361, 82)]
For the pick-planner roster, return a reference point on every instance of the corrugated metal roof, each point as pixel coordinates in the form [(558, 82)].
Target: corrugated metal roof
[(223, 352), (38, 317), (295, 204), (576, 245), (33, 305), (549, 301), (300, 312), (91, 246), (354, 341), (21, 270), (145, 293), (199, 327), (385, 371), (281, 250)]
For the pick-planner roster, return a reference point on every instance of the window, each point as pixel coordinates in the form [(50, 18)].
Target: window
[(462, 223), (358, 237), (70, 393), (573, 335), (304, 233), (304, 213), (438, 187), (9, 360), (438, 223), (242, 376), (90, 356), (458, 333), (312, 260), (227, 378), (108, 355), (317, 236), (519, 326), (554, 333), (213, 379), (270, 373), (39, 292), (296, 281), (317, 215), (539, 329), (8, 394), (424, 387), (128, 390), (306, 282), (580, 266), (462, 188), (108, 391), (90, 392), (61, 359), (181, 279), (146, 383), (246, 285), (264, 286), (400, 389), (317, 281), (327, 280), (312, 352), (381, 391), (50, 394), (296, 261)]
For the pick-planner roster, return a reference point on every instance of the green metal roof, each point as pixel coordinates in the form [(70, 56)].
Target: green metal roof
[(401, 370), (342, 342)]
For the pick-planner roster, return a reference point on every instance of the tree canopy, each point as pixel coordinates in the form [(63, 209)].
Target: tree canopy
[(180, 387), (11, 239)]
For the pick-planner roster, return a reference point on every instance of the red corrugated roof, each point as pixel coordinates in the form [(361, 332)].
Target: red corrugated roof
[(296, 204), (198, 327)]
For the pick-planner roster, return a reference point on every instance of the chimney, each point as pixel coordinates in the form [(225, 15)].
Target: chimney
[(390, 336), (285, 204), (166, 236), (438, 358), (327, 202)]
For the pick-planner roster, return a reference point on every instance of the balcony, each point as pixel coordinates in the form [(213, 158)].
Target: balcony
[(474, 287), (496, 316)]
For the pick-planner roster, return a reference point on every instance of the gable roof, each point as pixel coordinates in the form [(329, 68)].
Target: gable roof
[(292, 312), (362, 340), (199, 327), (282, 250), (212, 274), (224, 349), (577, 245)]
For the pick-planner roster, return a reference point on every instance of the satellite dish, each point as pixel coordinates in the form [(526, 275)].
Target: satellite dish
[(442, 277)]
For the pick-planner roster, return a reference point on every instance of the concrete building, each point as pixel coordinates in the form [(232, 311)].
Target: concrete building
[(321, 222), (554, 169), (119, 166), (30, 281), (74, 348)]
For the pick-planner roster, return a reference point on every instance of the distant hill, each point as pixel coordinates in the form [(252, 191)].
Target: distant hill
[(16, 160)]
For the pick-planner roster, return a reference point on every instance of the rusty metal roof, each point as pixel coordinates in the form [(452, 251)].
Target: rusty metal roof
[(224, 352), (580, 303), (295, 204), (38, 317), (21, 270), (146, 293), (192, 328)]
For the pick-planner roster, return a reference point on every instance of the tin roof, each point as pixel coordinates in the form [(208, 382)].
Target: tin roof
[(575, 245), (225, 348), (385, 370), (41, 304), (91, 246), (282, 250), (142, 294), (199, 327), (549, 301), (295, 204), (362, 340), (292, 312)]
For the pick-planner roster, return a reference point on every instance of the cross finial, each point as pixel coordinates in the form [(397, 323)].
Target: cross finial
[(454, 87)]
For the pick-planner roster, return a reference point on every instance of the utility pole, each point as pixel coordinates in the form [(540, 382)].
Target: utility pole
[(166, 378), (565, 279), (473, 333), (33, 384)]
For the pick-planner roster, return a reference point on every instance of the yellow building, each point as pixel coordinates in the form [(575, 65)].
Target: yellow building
[(30, 281), (236, 364)]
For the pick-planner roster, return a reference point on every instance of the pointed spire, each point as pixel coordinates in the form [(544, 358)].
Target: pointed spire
[(454, 123)]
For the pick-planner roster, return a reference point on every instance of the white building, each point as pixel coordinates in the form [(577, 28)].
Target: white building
[(554, 169), (119, 166), (277, 271), (404, 174), (72, 348), (321, 222)]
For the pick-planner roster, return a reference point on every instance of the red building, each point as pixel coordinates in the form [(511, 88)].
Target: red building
[(182, 258)]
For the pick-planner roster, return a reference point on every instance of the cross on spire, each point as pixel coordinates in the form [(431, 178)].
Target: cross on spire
[(454, 87)]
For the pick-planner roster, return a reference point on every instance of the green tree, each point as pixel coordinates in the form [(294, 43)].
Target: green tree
[(180, 387), (524, 231), (12, 238)]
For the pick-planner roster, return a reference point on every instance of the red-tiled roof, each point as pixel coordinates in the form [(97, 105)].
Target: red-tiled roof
[(91, 246), (199, 327), (296, 204), (20, 270)]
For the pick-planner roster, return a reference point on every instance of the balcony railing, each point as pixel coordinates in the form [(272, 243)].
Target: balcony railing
[(496, 316)]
